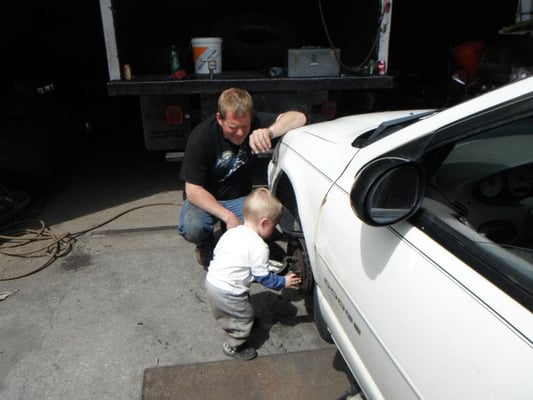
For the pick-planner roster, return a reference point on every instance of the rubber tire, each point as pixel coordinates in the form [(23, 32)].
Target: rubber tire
[(321, 325), (296, 248)]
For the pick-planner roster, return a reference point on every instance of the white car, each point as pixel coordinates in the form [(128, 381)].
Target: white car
[(413, 231)]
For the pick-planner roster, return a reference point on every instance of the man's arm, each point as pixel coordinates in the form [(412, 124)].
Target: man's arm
[(261, 139), (287, 121), (201, 198)]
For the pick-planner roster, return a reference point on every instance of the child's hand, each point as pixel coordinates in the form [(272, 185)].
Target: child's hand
[(292, 280)]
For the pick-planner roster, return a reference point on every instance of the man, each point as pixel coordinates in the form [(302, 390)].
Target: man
[(217, 164)]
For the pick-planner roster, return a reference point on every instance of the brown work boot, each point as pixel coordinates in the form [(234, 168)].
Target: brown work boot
[(204, 254)]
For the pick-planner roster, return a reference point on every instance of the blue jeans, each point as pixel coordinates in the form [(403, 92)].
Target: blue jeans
[(197, 226)]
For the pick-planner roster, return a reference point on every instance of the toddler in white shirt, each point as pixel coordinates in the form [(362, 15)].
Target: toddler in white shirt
[(241, 258)]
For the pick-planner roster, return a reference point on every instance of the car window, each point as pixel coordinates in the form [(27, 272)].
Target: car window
[(480, 203)]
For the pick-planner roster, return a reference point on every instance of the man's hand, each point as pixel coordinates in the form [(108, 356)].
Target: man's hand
[(261, 140), (201, 198), (232, 221)]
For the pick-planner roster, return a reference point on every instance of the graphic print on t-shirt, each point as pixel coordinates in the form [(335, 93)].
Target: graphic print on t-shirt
[(228, 163)]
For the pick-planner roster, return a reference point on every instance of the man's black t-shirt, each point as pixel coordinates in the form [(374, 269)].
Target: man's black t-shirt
[(218, 165)]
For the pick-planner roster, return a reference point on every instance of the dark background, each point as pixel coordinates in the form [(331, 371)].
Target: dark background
[(61, 42)]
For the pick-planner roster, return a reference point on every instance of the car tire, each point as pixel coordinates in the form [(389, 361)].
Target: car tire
[(296, 248), (321, 325)]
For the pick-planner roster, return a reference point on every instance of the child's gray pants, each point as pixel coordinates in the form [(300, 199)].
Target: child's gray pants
[(233, 313)]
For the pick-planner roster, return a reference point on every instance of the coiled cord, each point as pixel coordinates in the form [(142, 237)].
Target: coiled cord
[(31, 238)]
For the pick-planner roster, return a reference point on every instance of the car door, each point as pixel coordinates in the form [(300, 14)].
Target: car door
[(435, 306)]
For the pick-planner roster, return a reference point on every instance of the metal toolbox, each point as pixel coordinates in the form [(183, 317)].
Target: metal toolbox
[(314, 61)]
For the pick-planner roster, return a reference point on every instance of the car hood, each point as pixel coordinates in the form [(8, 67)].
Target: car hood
[(328, 145), (345, 130), (340, 133)]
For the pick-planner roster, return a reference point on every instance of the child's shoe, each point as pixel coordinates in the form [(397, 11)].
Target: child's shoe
[(243, 352)]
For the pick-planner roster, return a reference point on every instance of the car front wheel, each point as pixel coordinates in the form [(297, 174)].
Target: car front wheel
[(300, 264)]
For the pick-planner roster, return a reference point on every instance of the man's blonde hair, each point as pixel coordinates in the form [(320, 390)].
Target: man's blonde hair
[(262, 203), (239, 101)]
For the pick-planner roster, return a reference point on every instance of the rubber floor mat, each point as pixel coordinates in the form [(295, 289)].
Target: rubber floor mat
[(316, 374)]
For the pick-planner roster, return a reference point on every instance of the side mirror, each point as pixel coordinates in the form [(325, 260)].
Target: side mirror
[(388, 190)]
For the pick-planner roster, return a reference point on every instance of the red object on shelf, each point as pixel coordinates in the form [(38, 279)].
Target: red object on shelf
[(179, 74), (468, 56)]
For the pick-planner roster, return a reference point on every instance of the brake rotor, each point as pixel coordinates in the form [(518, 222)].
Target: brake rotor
[(299, 263)]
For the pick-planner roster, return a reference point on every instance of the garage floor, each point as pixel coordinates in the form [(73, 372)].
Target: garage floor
[(128, 299)]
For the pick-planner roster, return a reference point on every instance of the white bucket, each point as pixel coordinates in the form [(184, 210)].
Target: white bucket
[(205, 50)]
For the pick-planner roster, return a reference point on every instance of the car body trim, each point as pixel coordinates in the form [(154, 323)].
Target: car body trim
[(359, 372), (371, 329), (459, 251)]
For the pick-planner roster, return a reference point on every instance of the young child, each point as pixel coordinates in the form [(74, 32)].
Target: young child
[(240, 258)]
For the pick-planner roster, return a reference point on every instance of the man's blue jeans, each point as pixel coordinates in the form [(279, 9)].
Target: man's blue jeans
[(197, 226)]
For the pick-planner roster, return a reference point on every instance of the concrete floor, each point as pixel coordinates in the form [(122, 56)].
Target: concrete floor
[(129, 296)]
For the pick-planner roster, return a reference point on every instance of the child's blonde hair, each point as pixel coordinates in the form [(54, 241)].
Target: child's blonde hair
[(262, 203)]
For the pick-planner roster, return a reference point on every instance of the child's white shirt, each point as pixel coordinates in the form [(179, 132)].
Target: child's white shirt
[(239, 255)]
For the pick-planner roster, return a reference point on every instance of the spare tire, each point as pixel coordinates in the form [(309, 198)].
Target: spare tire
[(255, 41)]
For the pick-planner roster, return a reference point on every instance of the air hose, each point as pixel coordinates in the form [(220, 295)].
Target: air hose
[(31, 238)]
